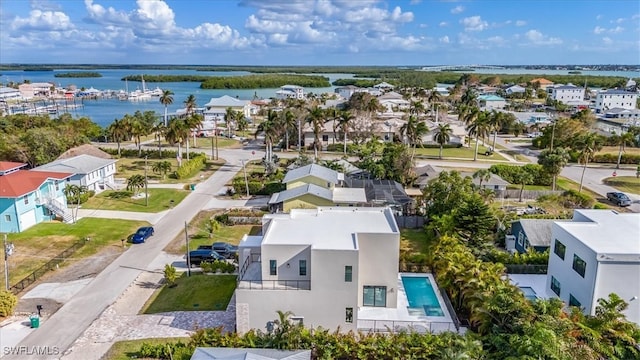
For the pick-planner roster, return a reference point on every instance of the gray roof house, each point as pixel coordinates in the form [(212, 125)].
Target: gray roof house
[(314, 170), (202, 353), (532, 233), (95, 173), (495, 182)]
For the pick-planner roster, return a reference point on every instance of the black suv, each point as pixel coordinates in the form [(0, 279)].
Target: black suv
[(225, 249), (198, 256)]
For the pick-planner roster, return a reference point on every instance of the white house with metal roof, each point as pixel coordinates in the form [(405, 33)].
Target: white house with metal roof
[(216, 108), (594, 255), (95, 173), (611, 99), (290, 92)]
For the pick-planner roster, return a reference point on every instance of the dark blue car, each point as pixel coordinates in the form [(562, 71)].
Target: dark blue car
[(142, 234)]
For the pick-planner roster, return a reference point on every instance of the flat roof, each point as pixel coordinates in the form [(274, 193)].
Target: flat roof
[(607, 232), (328, 227), (349, 195)]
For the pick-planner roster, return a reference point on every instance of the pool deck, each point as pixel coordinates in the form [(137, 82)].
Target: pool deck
[(399, 318)]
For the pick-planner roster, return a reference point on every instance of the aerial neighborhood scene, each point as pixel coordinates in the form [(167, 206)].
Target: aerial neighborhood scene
[(320, 179)]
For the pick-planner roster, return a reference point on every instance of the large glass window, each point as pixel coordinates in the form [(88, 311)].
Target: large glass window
[(579, 265), (559, 249), (273, 267), (555, 285), (303, 267), (348, 273), (573, 301), (375, 296)]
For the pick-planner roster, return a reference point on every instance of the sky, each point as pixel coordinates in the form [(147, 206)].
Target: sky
[(320, 32)]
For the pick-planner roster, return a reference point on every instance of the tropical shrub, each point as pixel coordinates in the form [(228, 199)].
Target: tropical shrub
[(190, 167), (8, 302)]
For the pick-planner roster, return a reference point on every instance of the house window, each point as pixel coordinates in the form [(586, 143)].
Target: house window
[(348, 316), (573, 301), (273, 267), (555, 285), (348, 273), (559, 249), (26, 200), (579, 265), (7, 217), (57, 185), (303, 267), (325, 138), (520, 238), (375, 296)]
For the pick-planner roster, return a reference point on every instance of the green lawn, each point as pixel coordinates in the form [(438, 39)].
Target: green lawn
[(40, 243), (629, 184), (159, 200), (126, 350), (197, 292), (131, 166), (461, 152)]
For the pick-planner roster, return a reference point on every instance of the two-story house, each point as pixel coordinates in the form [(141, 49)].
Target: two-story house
[(568, 94), (216, 108), (323, 265), (29, 197), (95, 173), (594, 255), (612, 99), (290, 92), (313, 185)]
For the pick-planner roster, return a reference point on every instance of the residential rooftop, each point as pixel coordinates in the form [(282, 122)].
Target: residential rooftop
[(327, 227), (81, 164), (606, 231)]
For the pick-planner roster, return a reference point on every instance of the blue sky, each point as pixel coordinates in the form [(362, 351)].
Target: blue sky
[(320, 32)]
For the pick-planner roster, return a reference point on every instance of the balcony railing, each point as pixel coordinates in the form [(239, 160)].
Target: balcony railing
[(394, 326), (274, 285)]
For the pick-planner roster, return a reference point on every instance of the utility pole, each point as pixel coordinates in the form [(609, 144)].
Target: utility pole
[(299, 135), (146, 183), (212, 154), (8, 250), (553, 133), (246, 181), (186, 237)]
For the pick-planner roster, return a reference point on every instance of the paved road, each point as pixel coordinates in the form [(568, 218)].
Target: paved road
[(59, 331)]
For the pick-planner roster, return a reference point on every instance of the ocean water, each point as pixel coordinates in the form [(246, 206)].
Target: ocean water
[(104, 111)]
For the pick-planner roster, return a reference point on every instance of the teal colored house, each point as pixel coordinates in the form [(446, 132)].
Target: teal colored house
[(532, 233), (30, 197)]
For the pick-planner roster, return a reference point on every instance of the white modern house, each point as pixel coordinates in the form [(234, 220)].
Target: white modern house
[(95, 173), (393, 101), (568, 94), (290, 92), (346, 92), (594, 255), (216, 108), (611, 99)]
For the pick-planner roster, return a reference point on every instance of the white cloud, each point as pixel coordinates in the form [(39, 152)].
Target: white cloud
[(474, 23), (618, 20), (423, 26), (415, 2), (39, 20), (616, 30), (457, 10), (521, 23), (443, 24), (98, 14), (537, 38), (598, 17), (607, 40), (444, 39), (599, 30)]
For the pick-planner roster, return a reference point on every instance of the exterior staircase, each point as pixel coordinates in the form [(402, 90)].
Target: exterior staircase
[(59, 209)]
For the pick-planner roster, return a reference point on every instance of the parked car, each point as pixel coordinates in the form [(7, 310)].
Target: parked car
[(619, 198), (196, 257), (142, 235), (225, 249)]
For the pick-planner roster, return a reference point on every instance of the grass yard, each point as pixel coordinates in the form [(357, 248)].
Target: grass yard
[(629, 184), (131, 166), (199, 235), (159, 200), (204, 144), (197, 292), (615, 150), (461, 152), (40, 243), (126, 350), (413, 241), (563, 183)]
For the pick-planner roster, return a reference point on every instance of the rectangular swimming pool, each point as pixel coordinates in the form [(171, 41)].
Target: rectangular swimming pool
[(421, 296)]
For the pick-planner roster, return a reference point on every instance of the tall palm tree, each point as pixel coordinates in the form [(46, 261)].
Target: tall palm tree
[(413, 130), (482, 175), (194, 121), (315, 118), (442, 136), (166, 99), (343, 123), (229, 117), (177, 132), (434, 98), (159, 129), (480, 128), (288, 121), (553, 161), (117, 129), (622, 140), (469, 97), (588, 144), (270, 129), (138, 129), (190, 104)]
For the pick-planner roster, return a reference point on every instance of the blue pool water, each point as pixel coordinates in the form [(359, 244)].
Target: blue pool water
[(421, 296)]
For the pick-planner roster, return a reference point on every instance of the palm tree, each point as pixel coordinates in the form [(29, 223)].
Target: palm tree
[(229, 117), (74, 195), (433, 99), (135, 183), (118, 131), (138, 129), (482, 175), (479, 127), (442, 136), (194, 121), (553, 161), (177, 132), (622, 140), (288, 122), (162, 168), (166, 99), (159, 129), (270, 129), (587, 144), (522, 177), (469, 97), (414, 130), (190, 104), (343, 123), (315, 118)]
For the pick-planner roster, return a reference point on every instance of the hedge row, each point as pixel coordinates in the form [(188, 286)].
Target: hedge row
[(151, 154), (213, 267), (190, 167), (256, 187), (613, 158)]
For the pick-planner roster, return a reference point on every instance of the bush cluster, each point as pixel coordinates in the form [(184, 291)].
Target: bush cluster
[(190, 167), (8, 302), (613, 158), (508, 173), (151, 154), (213, 267)]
